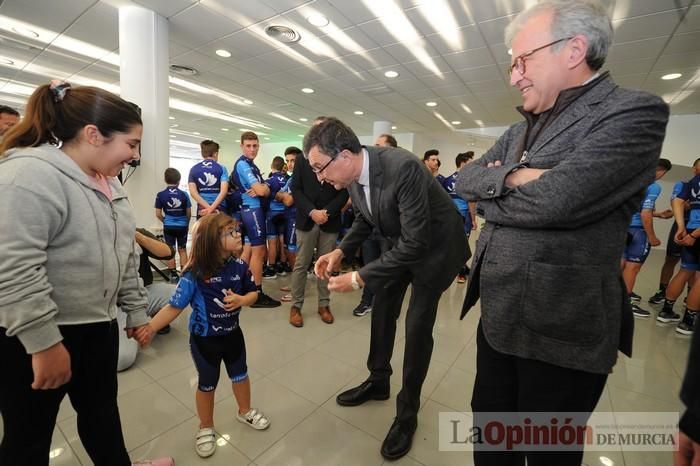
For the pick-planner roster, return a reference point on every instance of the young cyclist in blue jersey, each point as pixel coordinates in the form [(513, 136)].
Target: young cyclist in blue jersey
[(688, 232), (173, 208), (673, 249), (290, 231), (466, 210), (641, 237), (275, 218), (216, 284), (246, 175), (208, 181)]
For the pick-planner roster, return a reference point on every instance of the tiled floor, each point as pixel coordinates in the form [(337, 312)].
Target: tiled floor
[(296, 374)]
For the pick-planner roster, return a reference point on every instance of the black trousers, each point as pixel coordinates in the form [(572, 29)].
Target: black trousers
[(420, 318), (507, 383), (371, 250), (29, 416)]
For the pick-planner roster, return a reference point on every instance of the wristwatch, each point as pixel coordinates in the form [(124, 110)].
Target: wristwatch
[(353, 280)]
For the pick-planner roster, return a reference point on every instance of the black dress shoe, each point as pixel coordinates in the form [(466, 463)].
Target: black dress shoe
[(366, 391), (399, 439)]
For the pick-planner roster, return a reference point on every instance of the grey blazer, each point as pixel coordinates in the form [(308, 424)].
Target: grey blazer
[(547, 263), (411, 210)]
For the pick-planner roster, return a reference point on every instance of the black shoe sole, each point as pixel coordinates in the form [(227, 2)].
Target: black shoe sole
[(358, 403), (398, 455)]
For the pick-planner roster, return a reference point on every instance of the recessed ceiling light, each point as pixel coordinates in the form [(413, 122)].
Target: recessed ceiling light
[(171, 118), (25, 32), (307, 90), (173, 136), (174, 125), (479, 122), (196, 133), (247, 101), (456, 122), (431, 104), (393, 127), (391, 74), (267, 139), (318, 20), (466, 108), (359, 112), (6, 61), (668, 77), (224, 129), (300, 135), (283, 34), (510, 51), (223, 53), (303, 119), (243, 129)]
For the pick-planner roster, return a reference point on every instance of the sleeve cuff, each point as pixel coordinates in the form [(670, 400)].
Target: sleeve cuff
[(40, 337), (136, 318)]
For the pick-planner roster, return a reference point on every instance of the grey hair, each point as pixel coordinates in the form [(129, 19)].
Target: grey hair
[(570, 18)]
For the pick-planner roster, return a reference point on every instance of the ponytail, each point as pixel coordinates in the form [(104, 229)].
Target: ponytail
[(56, 113)]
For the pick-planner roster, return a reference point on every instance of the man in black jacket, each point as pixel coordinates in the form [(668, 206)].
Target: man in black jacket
[(318, 223)]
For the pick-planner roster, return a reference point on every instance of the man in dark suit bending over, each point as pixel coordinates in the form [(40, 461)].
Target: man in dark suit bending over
[(392, 192)]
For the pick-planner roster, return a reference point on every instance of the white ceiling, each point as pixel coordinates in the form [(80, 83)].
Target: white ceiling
[(459, 44)]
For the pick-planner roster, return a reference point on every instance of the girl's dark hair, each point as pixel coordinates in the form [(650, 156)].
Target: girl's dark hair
[(51, 117), (205, 257)]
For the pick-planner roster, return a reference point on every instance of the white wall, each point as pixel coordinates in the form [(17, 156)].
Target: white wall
[(682, 138)]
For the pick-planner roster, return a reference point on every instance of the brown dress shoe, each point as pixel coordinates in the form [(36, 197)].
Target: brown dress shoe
[(325, 313), (295, 317)]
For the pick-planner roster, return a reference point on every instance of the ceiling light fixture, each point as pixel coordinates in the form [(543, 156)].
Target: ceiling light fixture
[(196, 133), (318, 20), (307, 90), (183, 70), (431, 104), (466, 108), (171, 118), (174, 125), (6, 61), (393, 127), (456, 122), (303, 119), (26, 32), (668, 77), (479, 122), (359, 112), (247, 101), (391, 74), (267, 139), (300, 135), (224, 129), (223, 53)]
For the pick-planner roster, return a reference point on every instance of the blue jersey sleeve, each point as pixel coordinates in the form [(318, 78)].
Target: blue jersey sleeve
[(224, 174), (184, 292), (246, 175), (159, 203), (677, 189), (652, 195)]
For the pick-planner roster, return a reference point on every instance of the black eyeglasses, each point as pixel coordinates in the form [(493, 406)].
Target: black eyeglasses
[(519, 62), (232, 233), (319, 170)]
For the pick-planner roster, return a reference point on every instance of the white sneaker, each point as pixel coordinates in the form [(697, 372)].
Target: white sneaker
[(254, 419), (205, 442)]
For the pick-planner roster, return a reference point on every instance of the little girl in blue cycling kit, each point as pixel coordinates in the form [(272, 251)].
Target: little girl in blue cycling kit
[(216, 284)]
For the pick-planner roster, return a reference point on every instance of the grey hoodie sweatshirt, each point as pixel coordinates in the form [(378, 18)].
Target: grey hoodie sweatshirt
[(67, 252)]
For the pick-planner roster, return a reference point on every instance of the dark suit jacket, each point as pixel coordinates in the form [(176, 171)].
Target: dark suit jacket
[(690, 393), (415, 214), (547, 263), (310, 194)]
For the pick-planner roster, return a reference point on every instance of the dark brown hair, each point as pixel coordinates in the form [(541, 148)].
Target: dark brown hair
[(205, 257), (172, 176), (391, 140), (277, 163), (49, 119), (208, 148), (249, 136)]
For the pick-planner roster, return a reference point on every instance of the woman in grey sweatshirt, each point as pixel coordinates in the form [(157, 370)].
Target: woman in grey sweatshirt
[(67, 262)]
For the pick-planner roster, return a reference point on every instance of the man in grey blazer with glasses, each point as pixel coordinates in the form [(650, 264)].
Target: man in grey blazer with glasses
[(557, 192)]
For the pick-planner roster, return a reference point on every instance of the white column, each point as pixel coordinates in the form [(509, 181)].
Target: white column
[(380, 127), (143, 51)]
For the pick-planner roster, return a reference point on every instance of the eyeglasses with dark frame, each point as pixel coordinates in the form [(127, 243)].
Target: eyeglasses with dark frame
[(232, 233), (319, 170), (519, 61)]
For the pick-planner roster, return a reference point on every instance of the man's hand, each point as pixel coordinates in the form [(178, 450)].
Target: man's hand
[(319, 216), (522, 176), (251, 193), (328, 263), (51, 367), (665, 214), (654, 241), (342, 283), (688, 453)]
